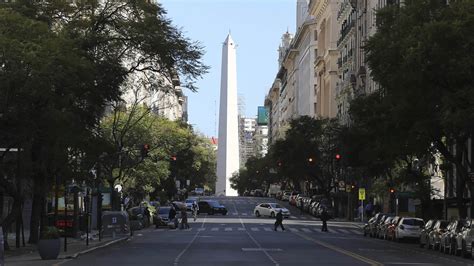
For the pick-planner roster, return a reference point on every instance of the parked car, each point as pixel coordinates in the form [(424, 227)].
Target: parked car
[(259, 193), (161, 217), (139, 217), (199, 191), (373, 226), (392, 226), (211, 207), (409, 227), (448, 238), (313, 208), (434, 237), (270, 209), (383, 228), (286, 196), (366, 228), (465, 238), (425, 231)]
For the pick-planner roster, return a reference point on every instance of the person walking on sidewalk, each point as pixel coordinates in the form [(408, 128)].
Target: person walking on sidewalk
[(324, 219), (184, 219), (279, 221)]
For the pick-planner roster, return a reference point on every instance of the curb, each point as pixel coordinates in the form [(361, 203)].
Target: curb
[(75, 255)]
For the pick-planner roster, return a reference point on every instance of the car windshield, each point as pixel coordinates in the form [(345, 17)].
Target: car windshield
[(214, 203), (414, 222), (276, 205), (164, 210)]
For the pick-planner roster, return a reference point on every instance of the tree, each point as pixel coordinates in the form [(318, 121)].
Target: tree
[(422, 51)]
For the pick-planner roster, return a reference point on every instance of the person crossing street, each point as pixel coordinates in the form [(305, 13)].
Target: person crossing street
[(279, 221), (184, 219), (195, 209), (324, 219)]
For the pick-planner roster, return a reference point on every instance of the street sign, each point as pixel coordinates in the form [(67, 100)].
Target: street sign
[(361, 193)]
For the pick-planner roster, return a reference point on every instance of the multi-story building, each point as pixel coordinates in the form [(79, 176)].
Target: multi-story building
[(260, 140), (325, 64), (346, 18), (246, 134)]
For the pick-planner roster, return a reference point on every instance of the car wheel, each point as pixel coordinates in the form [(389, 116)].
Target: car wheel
[(272, 215), (257, 213)]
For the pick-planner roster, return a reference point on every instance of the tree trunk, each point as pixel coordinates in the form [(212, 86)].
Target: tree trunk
[(36, 210)]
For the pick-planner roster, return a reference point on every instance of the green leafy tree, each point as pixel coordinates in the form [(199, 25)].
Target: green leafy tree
[(422, 51)]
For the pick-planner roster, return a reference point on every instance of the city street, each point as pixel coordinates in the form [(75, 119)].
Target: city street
[(242, 239)]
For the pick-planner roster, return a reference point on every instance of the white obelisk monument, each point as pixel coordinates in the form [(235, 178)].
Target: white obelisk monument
[(228, 142)]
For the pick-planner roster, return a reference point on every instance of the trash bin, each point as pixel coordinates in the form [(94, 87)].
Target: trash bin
[(2, 261)]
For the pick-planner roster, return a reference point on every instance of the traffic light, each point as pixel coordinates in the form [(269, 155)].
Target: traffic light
[(310, 159), (144, 150), (338, 157), (279, 163), (392, 190), (173, 158)]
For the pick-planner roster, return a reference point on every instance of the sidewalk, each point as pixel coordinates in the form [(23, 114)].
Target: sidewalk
[(75, 247)]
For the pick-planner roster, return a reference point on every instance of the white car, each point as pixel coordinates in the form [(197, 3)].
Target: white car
[(270, 209), (409, 228)]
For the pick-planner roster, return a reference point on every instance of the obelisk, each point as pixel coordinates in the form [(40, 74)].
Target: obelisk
[(228, 141)]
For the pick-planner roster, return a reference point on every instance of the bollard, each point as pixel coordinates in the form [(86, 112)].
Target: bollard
[(2, 262)]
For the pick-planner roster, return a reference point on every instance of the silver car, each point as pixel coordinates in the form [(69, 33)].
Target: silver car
[(464, 239)]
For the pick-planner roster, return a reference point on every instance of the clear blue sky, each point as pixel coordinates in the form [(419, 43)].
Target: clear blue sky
[(256, 26)]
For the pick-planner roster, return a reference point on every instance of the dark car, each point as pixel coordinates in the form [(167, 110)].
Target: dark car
[(211, 207), (139, 217), (161, 217)]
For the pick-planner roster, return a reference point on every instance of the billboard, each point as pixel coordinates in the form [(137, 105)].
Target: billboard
[(262, 116)]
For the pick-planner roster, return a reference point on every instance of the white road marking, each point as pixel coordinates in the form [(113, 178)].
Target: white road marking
[(293, 230), (343, 231), (262, 249), (241, 229), (215, 229), (293, 217), (176, 260), (268, 229), (202, 229), (235, 213), (255, 229), (244, 214), (228, 229), (307, 230)]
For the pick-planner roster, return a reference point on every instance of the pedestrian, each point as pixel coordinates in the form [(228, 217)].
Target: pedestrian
[(172, 217), (324, 219), (279, 221), (195, 209), (184, 219)]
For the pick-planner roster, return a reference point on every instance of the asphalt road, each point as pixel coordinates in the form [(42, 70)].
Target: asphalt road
[(242, 239)]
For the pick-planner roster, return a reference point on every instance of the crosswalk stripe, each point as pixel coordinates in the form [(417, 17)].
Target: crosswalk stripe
[(244, 214), (268, 229), (343, 231), (255, 229), (293, 230), (241, 229), (215, 229), (235, 213), (202, 229), (307, 230), (228, 229)]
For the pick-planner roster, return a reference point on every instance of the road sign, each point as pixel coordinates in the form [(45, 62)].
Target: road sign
[(361, 193)]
